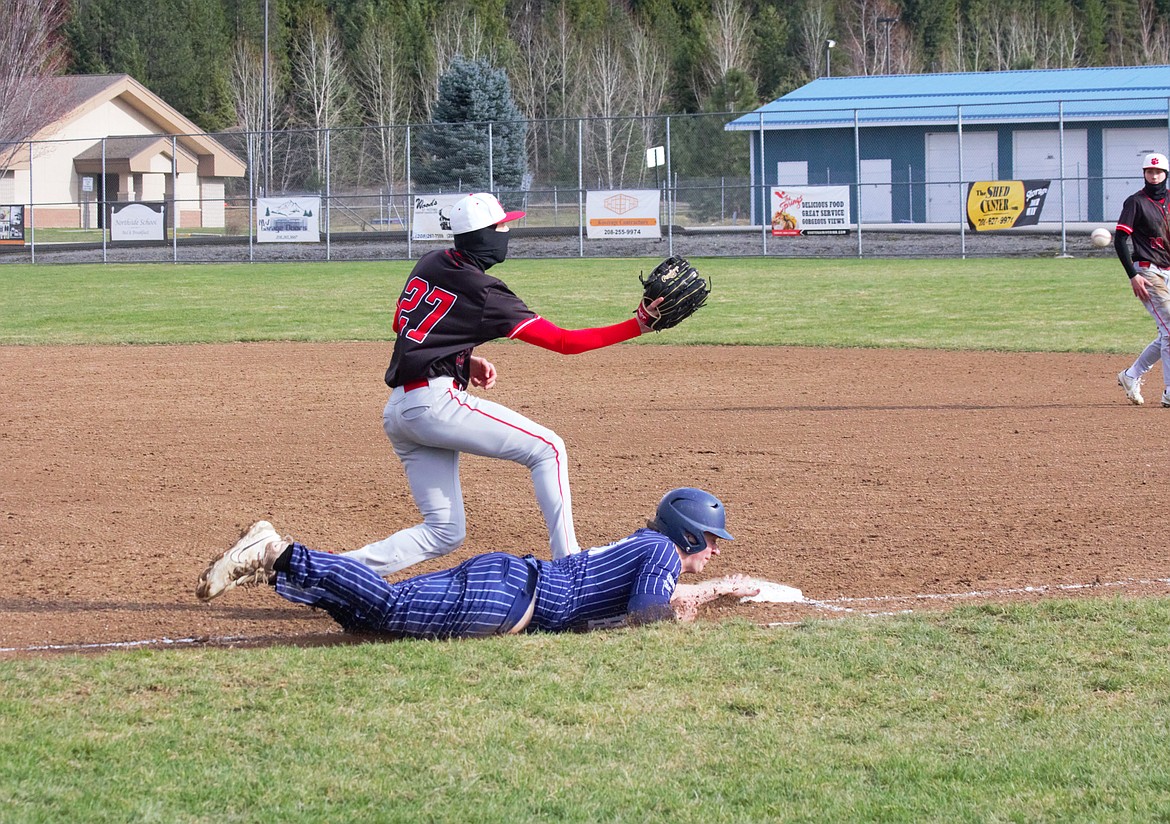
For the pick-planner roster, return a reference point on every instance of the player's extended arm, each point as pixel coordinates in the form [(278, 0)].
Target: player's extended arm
[(544, 333), (687, 598)]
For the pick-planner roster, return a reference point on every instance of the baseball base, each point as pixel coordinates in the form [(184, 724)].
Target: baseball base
[(773, 593)]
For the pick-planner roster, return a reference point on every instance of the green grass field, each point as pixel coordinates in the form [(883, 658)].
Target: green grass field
[(1055, 711)]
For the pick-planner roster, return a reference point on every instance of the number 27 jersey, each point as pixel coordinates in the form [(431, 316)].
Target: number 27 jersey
[(447, 308)]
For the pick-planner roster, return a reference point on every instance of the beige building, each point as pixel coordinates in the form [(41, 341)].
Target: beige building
[(115, 136)]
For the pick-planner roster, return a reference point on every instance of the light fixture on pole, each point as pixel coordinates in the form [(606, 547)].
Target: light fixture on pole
[(888, 22), (829, 45)]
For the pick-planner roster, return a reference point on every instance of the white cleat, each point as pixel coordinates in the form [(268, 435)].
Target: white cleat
[(1166, 398), (1133, 389), (248, 562)]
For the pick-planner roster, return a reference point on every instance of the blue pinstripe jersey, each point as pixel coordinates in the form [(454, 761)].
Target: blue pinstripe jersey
[(598, 587)]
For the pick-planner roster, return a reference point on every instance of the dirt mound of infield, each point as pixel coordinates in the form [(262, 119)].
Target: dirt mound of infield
[(849, 474)]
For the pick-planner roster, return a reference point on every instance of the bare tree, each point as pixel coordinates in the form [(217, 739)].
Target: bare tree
[(869, 40), (608, 96), (1153, 33), (379, 74), (321, 85), (30, 57), (458, 32), (814, 30), (649, 68), (728, 33)]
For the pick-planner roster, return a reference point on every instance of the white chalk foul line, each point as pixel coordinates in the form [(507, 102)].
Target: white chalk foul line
[(830, 604), (838, 604)]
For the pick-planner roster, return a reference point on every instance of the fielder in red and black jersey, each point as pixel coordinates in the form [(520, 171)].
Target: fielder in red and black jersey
[(1144, 223), (450, 305)]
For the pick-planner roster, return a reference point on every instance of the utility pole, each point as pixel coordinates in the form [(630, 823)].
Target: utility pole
[(829, 46), (888, 22)]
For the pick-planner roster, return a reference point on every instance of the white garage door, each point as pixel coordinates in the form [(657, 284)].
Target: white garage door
[(1037, 155), (876, 191), (1124, 150), (946, 189)]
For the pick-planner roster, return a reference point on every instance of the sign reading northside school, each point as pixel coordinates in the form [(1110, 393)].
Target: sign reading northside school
[(138, 221), (1005, 204), (810, 210), (617, 215)]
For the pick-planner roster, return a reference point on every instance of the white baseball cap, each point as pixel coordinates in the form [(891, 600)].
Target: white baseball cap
[(478, 211), (1155, 161)]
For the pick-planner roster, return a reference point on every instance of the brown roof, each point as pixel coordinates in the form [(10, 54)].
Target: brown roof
[(74, 95)]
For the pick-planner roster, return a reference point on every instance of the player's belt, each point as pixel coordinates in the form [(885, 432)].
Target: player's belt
[(410, 386)]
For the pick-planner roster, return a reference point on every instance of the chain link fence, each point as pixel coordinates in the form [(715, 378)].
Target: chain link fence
[(713, 192)]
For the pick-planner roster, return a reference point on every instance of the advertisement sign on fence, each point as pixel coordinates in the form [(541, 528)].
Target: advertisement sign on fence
[(290, 219), (432, 217), (138, 222), (11, 224), (810, 210), (1005, 204), (621, 215)]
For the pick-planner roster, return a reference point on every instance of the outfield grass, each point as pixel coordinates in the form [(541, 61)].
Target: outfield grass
[(1031, 305), (1051, 712), (1056, 711)]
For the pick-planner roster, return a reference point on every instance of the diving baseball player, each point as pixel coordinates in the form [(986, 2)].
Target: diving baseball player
[(449, 306), (1144, 222), (630, 581)]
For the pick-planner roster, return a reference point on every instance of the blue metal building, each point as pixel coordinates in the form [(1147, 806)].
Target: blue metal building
[(914, 141)]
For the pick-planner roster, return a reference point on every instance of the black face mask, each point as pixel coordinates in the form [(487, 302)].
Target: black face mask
[(487, 246), (1155, 190)]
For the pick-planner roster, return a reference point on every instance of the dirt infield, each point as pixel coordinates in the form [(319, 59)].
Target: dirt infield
[(847, 473)]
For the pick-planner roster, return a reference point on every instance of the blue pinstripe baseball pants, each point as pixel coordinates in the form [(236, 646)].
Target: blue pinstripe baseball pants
[(484, 595)]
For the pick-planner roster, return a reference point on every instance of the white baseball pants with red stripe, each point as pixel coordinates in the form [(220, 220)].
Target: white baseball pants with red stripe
[(428, 428), (1159, 308)]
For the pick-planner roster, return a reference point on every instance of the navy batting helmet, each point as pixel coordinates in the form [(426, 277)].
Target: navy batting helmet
[(684, 514)]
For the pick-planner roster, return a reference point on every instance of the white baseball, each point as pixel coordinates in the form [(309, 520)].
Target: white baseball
[(1101, 237)]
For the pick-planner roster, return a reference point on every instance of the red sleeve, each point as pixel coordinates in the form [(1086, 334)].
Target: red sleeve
[(543, 333)]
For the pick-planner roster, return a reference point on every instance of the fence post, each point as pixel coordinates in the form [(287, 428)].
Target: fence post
[(409, 199), (857, 169), (491, 160), (251, 194), (328, 190), (765, 201), (962, 200), (105, 213), (1063, 222), (174, 201), (31, 222), (670, 192), (580, 187)]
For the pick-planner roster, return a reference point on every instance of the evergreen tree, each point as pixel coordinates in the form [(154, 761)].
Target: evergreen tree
[(455, 151)]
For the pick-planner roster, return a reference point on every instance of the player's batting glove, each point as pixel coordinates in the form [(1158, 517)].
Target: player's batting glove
[(648, 314)]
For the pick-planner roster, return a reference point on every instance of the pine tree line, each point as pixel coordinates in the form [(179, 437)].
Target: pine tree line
[(335, 62)]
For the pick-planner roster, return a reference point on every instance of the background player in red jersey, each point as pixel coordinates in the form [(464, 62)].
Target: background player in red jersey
[(449, 306), (1143, 221)]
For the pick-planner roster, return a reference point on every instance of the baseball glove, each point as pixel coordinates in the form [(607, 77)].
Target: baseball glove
[(682, 289)]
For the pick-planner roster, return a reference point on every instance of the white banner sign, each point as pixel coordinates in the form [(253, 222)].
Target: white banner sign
[(138, 221), (630, 213), (288, 219), (810, 210), (432, 217)]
